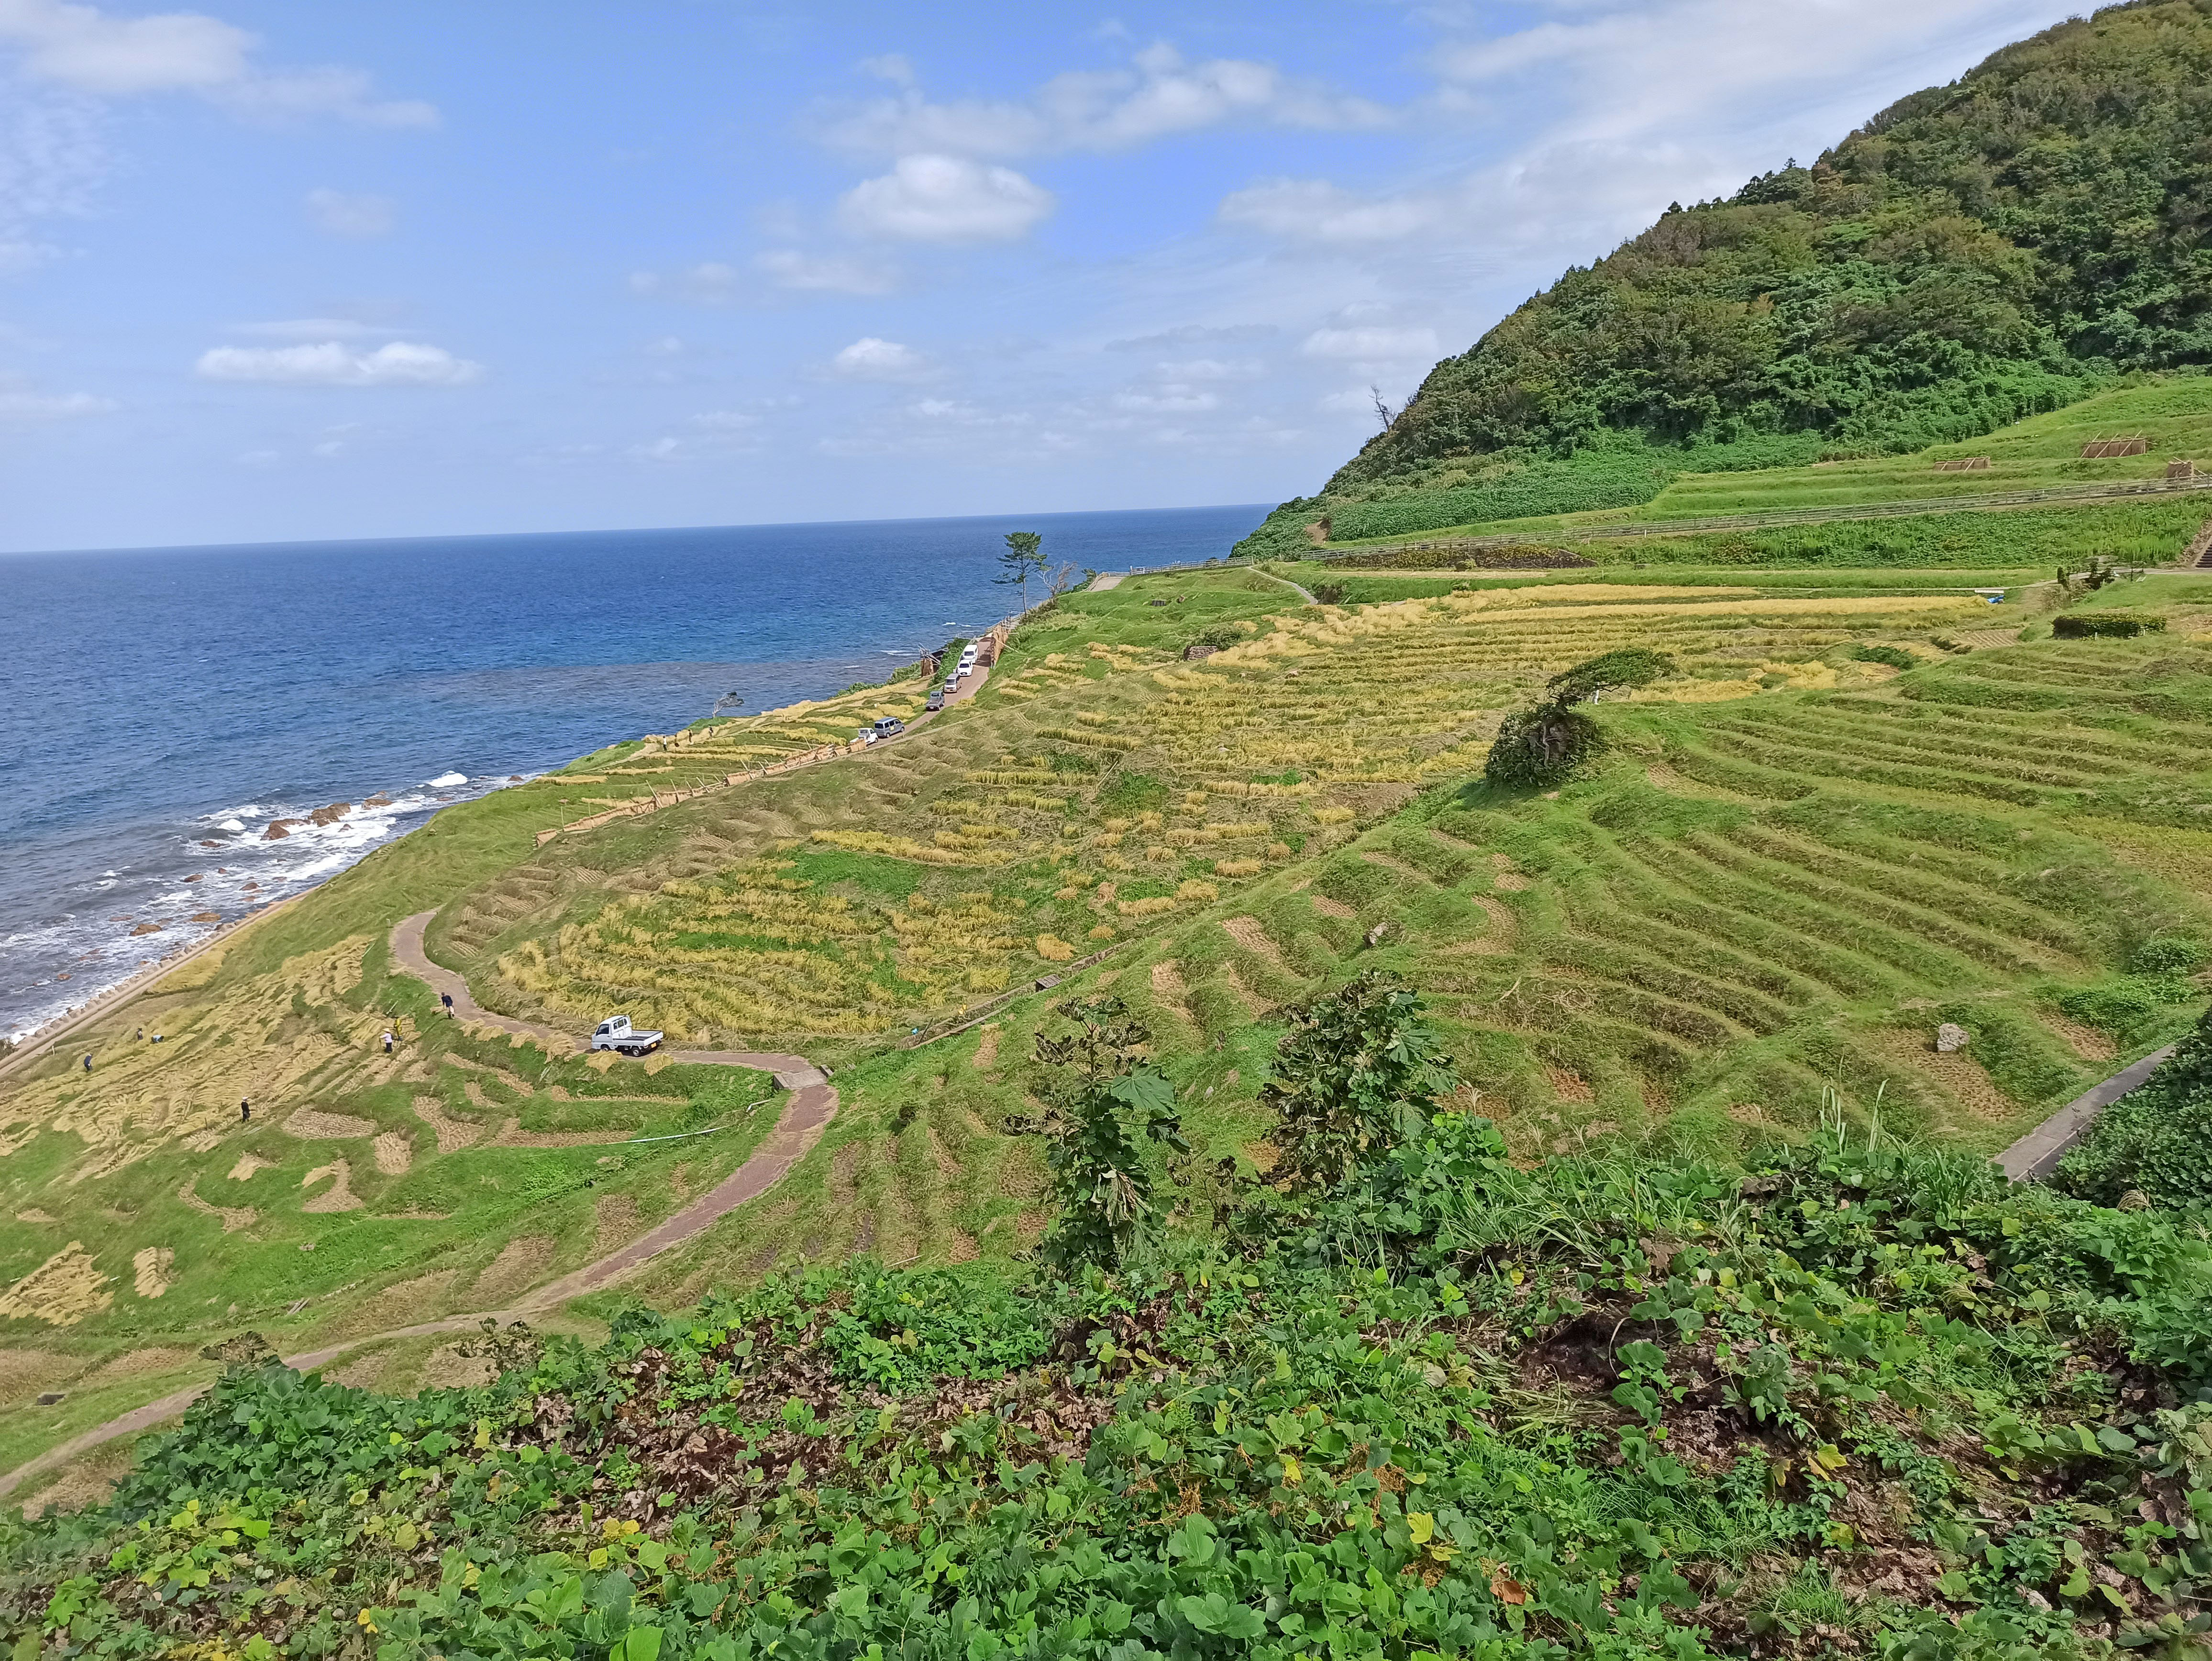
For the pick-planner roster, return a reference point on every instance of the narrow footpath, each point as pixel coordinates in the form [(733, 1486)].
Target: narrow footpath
[(807, 1113)]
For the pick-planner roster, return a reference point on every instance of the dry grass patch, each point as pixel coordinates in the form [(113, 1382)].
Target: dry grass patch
[(453, 1133), (153, 1270), (1958, 1076), (616, 1221), (312, 1125), (395, 1152), (138, 1363), (247, 1164), (339, 1195), (2087, 1042), (61, 1292), (234, 1218), (986, 1049), (1248, 932), (520, 1264), (1329, 908)]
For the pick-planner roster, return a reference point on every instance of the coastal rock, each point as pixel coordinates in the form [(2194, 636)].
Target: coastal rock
[(207, 916), (210, 844), (379, 799), (330, 815), (1950, 1038), (148, 928), (280, 829)]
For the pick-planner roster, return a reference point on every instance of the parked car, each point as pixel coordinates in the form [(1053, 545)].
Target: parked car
[(616, 1033), (888, 726)]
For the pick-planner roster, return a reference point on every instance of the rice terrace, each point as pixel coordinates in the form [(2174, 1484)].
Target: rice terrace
[(1430, 1088)]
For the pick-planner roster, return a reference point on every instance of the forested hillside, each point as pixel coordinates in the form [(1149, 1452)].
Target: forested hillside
[(1973, 255)]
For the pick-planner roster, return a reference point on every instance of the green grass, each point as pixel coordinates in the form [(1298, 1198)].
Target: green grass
[(2041, 453), (1753, 903), (2037, 454)]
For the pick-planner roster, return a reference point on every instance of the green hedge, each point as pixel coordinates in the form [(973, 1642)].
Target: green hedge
[(2115, 625)]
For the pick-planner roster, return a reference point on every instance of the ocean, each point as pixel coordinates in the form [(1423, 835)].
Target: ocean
[(160, 708)]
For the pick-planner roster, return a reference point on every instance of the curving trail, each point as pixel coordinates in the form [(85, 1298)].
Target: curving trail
[(807, 1113)]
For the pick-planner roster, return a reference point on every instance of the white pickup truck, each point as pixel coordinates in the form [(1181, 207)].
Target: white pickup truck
[(616, 1033)]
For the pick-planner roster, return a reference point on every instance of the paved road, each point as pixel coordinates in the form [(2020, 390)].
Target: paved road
[(2037, 1154), (807, 1113)]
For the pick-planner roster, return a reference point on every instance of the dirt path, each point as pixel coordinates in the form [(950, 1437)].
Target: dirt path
[(807, 1113)]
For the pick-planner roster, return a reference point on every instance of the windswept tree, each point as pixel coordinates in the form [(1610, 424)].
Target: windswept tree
[(1543, 745), (1023, 559)]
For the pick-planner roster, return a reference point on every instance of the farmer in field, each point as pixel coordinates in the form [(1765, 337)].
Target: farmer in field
[(387, 1042), (447, 999), (88, 1063), (245, 1112)]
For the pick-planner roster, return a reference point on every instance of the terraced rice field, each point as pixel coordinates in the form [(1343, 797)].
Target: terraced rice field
[(1092, 799)]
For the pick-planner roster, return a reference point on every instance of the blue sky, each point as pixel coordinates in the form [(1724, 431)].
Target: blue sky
[(285, 270)]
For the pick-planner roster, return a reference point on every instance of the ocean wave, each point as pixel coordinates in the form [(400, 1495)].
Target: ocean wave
[(54, 968)]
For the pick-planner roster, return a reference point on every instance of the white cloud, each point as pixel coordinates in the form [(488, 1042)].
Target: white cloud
[(1159, 94), (332, 363), (895, 67), (805, 273), (341, 214), (871, 359), (945, 199), (710, 283), (18, 405), (1620, 108), (1195, 334), (304, 328), (1178, 399), (1372, 343), (50, 158), (88, 50), (1315, 210), (726, 421)]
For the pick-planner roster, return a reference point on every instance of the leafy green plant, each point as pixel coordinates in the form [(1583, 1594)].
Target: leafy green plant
[(2112, 626), (1358, 1071), (2154, 1139), (1105, 1111)]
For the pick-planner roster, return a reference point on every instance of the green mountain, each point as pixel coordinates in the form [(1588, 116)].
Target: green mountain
[(1975, 254)]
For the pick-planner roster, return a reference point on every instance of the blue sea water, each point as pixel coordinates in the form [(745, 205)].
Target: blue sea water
[(159, 708)]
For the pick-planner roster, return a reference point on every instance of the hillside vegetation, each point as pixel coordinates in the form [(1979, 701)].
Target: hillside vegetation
[(1661, 1303), (1972, 255)]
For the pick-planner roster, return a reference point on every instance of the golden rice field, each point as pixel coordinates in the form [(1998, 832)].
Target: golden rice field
[(1790, 867), (1093, 796)]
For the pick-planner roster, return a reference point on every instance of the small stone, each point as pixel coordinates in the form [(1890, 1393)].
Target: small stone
[(1374, 935), (1950, 1037)]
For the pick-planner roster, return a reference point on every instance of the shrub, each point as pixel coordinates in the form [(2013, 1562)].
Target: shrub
[(1358, 1071), (2166, 955), (1105, 1109), (1541, 746), (2154, 1140), (1895, 657), (2121, 625)]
